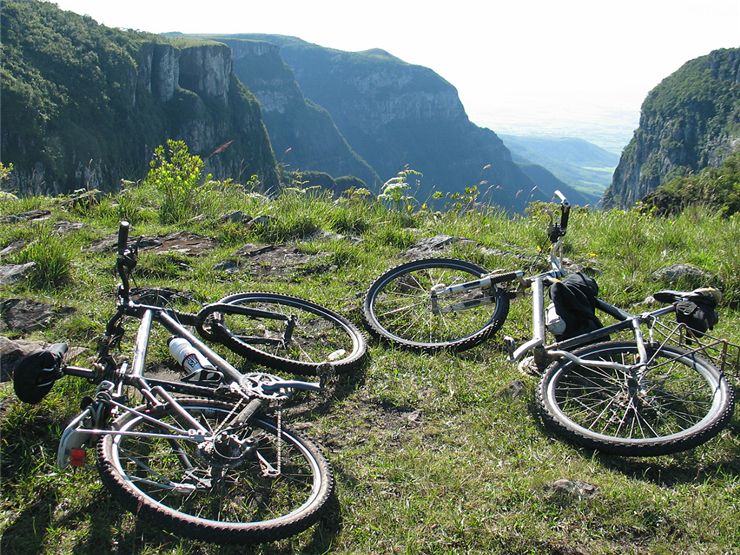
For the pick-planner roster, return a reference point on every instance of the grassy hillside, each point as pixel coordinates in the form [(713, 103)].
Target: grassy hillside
[(431, 454)]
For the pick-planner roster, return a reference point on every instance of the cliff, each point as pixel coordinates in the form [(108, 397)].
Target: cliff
[(302, 133), (690, 121), (395, 114), (84, 105)]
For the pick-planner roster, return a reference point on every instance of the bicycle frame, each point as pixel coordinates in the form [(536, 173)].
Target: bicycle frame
[(225, 382)]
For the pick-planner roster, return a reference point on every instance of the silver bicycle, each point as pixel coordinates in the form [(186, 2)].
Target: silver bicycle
[(663, 391), (207, 457)]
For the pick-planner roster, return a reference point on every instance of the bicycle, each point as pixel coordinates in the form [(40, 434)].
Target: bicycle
[(207, 457), (648, 396)]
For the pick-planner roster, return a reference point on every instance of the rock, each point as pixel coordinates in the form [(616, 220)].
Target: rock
[(514, 389), (25, 216), (261, 220), (249, 250), (685, 274), (237, 217), (228, 266), (64, 227), (278, 260), (84, 198), (183, 242), (431, 245), (12, 273), (13, 350), (573, 488), (15, 246), (23, 315)]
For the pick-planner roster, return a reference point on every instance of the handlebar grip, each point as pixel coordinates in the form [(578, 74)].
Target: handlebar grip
[(123, 229), (564, 215)]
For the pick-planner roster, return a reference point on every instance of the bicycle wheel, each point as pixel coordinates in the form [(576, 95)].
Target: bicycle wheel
[(319, 335), (679, 402), (217, 491), (398, 306)]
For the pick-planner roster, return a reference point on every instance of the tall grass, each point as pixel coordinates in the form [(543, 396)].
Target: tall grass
[(52, 257)]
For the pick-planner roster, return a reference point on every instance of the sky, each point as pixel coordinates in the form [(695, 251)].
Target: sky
[(536, 67)]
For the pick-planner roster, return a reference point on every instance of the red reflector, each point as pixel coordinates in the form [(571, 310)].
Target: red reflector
[(77, 457)]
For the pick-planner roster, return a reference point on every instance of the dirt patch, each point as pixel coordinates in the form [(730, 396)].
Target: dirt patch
[(280, 260), (182, 242)]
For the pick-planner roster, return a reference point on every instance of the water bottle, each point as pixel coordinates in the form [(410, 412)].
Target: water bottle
[(186, 355), (553, 321)]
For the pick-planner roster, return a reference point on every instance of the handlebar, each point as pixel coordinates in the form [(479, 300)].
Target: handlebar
[(564, 210), (123, 229), (556, 231)]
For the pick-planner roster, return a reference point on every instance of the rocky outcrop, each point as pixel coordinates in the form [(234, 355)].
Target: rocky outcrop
[(206, 70), (396, 114), (303, 135), (688, 122), (85, 106), (159, 71)]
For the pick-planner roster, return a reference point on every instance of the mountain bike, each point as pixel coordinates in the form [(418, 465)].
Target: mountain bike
[(207, 457), (663, 391)]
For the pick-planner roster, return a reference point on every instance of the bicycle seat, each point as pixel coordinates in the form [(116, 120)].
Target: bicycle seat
[(707, 294), (37, 372)]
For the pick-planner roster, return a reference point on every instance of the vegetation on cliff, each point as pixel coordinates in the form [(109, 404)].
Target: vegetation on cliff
[(717, 189), (690, 121), (84, 105)]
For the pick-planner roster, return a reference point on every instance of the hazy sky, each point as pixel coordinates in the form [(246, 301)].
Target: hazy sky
[(576, 67)]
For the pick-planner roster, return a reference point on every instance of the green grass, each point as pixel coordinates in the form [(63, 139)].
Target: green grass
[(431, 454)]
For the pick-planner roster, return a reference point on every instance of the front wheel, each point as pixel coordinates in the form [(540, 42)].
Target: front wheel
[(316, 335), (399, 306), (251, 484), (676, 402)]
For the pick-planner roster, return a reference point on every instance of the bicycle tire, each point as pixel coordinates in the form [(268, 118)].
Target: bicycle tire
[(462, 330), (683, 401), (321, 336), (150, 477)]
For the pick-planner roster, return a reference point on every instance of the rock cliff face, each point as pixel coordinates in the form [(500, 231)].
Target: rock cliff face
[(303, 135), (690, 121), (396, 114), (84, 105)]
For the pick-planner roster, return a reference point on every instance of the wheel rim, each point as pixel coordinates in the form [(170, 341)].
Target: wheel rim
[(677, 396), (318, 337), (173, 476), (402, 306)]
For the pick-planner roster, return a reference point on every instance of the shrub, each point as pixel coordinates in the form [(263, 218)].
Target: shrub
[(176, 175)]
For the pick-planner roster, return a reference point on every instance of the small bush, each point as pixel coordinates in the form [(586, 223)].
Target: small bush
[(176, 175)]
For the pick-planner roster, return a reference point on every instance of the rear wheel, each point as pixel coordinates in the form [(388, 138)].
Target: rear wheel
[(679, 401), (318, 335), (223, 490), (398, 306)]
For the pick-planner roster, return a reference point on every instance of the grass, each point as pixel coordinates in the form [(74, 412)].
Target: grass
[(431, 454)]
